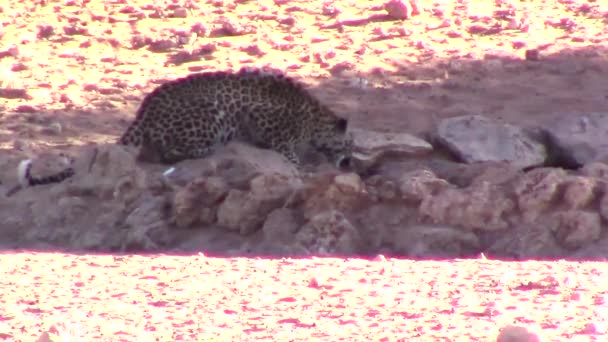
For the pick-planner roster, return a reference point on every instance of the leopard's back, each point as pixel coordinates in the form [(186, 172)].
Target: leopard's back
[(187, 117)]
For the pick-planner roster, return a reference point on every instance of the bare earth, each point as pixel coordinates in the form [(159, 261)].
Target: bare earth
[(168, 298), (73, 72)]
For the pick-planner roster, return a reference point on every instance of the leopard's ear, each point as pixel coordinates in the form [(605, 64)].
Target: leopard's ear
[(341, 125)]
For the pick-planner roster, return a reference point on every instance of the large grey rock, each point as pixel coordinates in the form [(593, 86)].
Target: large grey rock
[(476, 138), (579, 139)]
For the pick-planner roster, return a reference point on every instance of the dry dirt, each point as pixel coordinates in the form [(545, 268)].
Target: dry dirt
[(73, 73), (195, 298)]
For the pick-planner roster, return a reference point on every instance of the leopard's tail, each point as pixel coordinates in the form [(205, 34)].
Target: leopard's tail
[(25, 177)]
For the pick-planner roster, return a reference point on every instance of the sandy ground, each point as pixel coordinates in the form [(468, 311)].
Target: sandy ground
[(169, 298), (73, 72)]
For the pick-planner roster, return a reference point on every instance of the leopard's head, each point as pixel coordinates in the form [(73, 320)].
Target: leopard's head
[(330, 137)]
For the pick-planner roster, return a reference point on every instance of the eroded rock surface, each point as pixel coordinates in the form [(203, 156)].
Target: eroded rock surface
[(243, 201)]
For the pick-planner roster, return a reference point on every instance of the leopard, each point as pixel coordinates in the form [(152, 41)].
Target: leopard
[(191, 116)]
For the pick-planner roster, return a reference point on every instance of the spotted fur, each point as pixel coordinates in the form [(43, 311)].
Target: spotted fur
[(189, 117)]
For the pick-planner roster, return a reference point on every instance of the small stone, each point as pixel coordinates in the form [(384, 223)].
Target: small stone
[(417, 185), (199, 29), (512, 333), (162, 45), (19, 67), (536, 191), (55, 128), (14, 93), (397, 9), (45, 31), (253, 50), (579, 191), (180, 12), (518, 44), (21, 145), (513, 24), (330, 10), (532, 55)]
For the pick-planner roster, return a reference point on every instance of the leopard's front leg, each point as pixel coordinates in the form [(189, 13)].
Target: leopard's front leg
[(289, 153)]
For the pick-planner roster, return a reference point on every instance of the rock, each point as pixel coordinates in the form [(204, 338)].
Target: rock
[(372, 147), (475, 138), (495, 172), (574, 229), (523, 242), (435, 241), (330, 9), (595, 251), (237, 187), (147, 230), (603, 206), (329, 232), (381, 222), (161, 45), (536, 191), (532, 55), (273, 187), (382, 189), (578, 191), (345, 193), (14, 93), (417, 185), (75, 223), (107, 172), (197, 203), (579, 139), (180, 12), (239, 159), (240, 212), (595, 170), (397, 9), (280, 226), (236, 163), (481, 206), (231, 27), (65, 210), (245, 211), (512, 333)]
